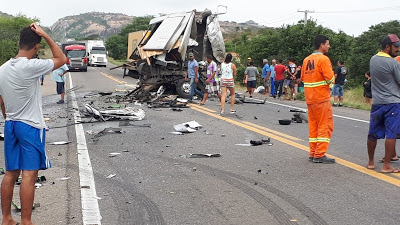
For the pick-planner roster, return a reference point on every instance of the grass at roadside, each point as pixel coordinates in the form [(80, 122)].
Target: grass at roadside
[(354, 98), (116, 62)]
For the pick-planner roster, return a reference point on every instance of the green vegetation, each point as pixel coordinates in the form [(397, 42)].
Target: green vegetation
[(10, 28), (354, 98), (115, 62), (117, 45)]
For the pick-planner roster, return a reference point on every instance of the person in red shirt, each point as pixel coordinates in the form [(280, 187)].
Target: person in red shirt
[(317, 74), (279, 78)]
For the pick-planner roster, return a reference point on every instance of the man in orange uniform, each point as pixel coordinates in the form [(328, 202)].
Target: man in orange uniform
[(397, 58), (317, 74)]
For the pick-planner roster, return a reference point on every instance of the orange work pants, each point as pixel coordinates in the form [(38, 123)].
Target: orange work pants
[(320, 124)]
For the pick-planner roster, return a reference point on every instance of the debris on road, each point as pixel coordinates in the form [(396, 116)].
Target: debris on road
[(1, 137), (196, 155), (299, 118), (253, 100), (188, 127), (106, 131), (113, 154), (126, 113), (111, 176), (262, 171), (63, 178), (59, 143), (176, 133), (125, 123)]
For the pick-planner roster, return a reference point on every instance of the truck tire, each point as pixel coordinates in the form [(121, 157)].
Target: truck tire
[(183, 88)]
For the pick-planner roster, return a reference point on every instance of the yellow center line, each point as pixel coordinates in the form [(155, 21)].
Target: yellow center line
[(272, 131), (201, 107), (117, 80), (362, 169)]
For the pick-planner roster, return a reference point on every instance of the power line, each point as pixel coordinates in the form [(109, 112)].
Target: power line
[(305, 15), (363, 10)]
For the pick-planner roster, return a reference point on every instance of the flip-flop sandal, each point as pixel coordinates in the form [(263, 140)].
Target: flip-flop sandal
[(233, 111), (391, 160), (393, 171)]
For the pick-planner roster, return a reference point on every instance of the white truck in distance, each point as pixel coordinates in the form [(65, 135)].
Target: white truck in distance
[(97, 53)]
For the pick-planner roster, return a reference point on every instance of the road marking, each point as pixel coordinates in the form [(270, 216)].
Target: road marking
[(272, 131), (90, 206), (343, 117), (362, 169)]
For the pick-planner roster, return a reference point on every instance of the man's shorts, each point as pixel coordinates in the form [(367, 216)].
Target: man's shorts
[(251, 83), (338, 90), (288, 83), (267, 82), (212, 88), (384, 122), (24, 147), (60, 87)]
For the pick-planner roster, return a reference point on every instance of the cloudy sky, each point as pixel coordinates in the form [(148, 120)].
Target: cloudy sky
[(351, 16)]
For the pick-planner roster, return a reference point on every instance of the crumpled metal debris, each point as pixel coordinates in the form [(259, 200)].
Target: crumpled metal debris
[(105, 131), (126, 113), (188, 127)]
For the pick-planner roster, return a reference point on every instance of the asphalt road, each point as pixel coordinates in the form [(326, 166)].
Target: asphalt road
[(154, 184)]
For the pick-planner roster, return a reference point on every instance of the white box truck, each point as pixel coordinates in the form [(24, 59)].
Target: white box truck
[(97, 53)]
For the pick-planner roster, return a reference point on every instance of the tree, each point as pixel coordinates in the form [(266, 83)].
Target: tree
[(10, 28), (365, 46), (117, 46)]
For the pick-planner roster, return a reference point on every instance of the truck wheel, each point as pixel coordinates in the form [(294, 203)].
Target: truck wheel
[(183, 88)]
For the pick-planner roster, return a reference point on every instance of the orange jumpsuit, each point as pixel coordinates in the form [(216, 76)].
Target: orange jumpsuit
[(317, 74), (398, 59)]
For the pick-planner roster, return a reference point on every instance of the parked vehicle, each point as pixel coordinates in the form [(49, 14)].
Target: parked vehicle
[(76, 57), (96, 53), (160, 55)]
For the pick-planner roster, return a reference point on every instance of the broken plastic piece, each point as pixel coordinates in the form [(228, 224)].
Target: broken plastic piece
[(195, 155), (262, 171), (176, 132), (113, 154), (111, 176)]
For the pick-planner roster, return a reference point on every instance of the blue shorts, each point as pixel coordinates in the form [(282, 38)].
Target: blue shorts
[(24, 147), (384, 122), (60, 87), (252, 83), (338, 90)]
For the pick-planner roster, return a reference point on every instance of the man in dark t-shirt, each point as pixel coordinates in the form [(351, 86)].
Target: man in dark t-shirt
[(340, 77)]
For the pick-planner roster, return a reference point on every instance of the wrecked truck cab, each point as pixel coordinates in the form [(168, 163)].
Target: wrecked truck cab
[(161, 54)]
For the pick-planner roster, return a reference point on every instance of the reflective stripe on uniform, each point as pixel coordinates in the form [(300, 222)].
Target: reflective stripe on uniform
[(319, 139), (319, 83)]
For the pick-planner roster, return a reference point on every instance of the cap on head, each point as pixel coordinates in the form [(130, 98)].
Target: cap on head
[(265, 60), (191, 54), (249, 58), (390, 39)]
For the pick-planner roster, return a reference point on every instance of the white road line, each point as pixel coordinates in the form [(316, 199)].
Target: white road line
[(293, 107), (90, 206)]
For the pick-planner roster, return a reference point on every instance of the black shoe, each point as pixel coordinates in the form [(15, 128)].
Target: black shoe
[(340, 104), (310, 159), (324, 160), (335, 104), (60, 102)]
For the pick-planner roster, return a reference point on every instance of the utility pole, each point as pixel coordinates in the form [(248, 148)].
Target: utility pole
[(305, 15)]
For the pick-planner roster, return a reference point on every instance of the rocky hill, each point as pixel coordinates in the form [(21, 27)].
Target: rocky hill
[(88, 24)]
